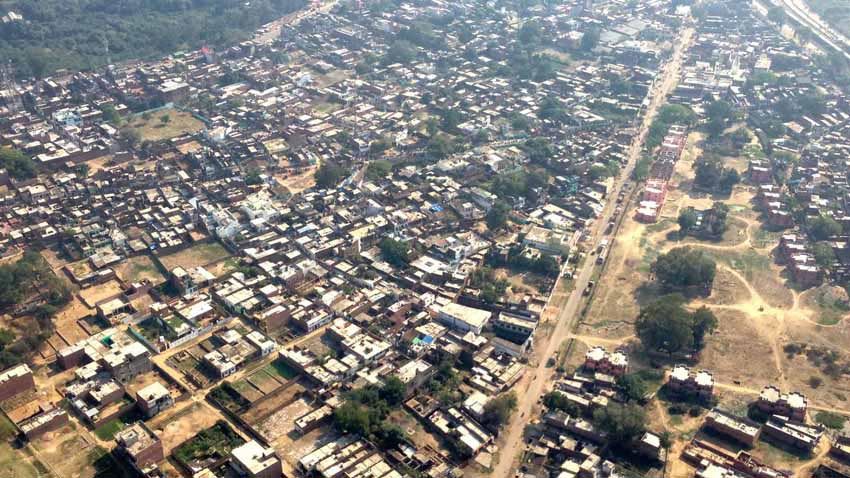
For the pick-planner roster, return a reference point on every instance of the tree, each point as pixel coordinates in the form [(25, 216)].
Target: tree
[(667, 325), (633, 386), (590, 39), (253, 177), (440, 146), (823, 227), (132, 136), (556, 400), (165, 119), (622, 423), (395, 252), (352, 417), (553, 110), (17, 164), (704, 322), (687, 220), (776, 14), (393, 391), (498, 410), (401, 51), (379, 169), (685, 267), (110, 114), (824, 255), (329, 175), (497, 216)]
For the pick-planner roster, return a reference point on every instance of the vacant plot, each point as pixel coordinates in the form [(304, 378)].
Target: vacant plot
[(139, 268), (154, 126), (280, 425), (93, 295), (179, 424), (200, 254), (208, 445), (68, 453)]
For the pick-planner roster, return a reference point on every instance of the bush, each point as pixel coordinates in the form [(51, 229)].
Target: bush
[(830, 420), (815, 381)]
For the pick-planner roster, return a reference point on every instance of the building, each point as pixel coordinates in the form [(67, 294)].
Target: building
[(153, 399), (792, 405), (255, 461), (739, 429), (684, 382), (48, 418), (140, 446), (127, 362), (463, 318), (514, 327), (599, 360), (797, 435), (15, 381)]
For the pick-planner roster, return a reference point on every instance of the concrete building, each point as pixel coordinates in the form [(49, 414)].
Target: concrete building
[(15, 381), (255, 461), (792, 405), (140, 446), (153, 399), (463, 318), (737, 428)]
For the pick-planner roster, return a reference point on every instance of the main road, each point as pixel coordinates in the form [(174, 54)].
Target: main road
[(535, 381)]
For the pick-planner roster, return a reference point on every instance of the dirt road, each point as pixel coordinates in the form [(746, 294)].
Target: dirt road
[(538, 379)]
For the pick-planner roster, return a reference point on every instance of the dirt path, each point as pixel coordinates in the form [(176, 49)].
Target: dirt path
[(530, 388)]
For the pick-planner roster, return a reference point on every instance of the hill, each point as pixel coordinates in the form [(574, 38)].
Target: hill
[(55, 34)]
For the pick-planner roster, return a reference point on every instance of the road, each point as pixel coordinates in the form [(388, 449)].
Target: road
[(537, 380), (800, 12), (270, 32)]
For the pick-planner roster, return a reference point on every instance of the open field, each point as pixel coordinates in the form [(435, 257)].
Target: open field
[(154, 129), (768, 333), (93, 295), (200, 254), (181, 423), (138, 268)]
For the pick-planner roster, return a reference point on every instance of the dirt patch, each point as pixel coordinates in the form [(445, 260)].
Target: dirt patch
[(139, 268), (177, 426), (738, 351), (200, 254), (93, 295), (68, 452), (155, 129)]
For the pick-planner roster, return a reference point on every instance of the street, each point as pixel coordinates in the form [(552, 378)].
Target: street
[(537, 380)]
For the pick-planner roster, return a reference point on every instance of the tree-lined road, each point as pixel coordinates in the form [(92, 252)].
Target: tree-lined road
[(536, 380)]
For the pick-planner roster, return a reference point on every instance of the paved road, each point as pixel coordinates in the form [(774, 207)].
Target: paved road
[(270, 32), (800, 12), (536, 380)]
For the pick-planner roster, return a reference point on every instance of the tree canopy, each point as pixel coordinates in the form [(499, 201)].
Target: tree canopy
[(622, 423), (667, 325), (395, 252), (685, 267), (18, 165), (329, 175), (823, 227)]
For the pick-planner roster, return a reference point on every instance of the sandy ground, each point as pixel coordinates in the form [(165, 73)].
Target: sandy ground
[(139, 268), (200, 254)]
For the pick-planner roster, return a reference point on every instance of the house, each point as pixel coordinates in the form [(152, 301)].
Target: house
[(684, 382), (15, 381), (739, 429), (140, 447), (153, 399), (253, 460), (463, 318), (791, 405)]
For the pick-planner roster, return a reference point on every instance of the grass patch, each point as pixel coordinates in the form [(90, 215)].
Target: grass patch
[(280, 369), (831, 420), (214, 442), (154, 129)]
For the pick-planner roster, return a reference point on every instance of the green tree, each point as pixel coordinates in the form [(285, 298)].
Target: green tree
[(379, 169), (622, 423), (165, 119), (17, 164), (824, 227), (498, 411), (633, 386), (393, 391), (395, 252), (329, 175), (685, 267), (667, 325), (401, 51), (110, 114), (132, 136), (590, 39), (824, 255), (776, 14), (351, 417), (687, 220), (497, 216)]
